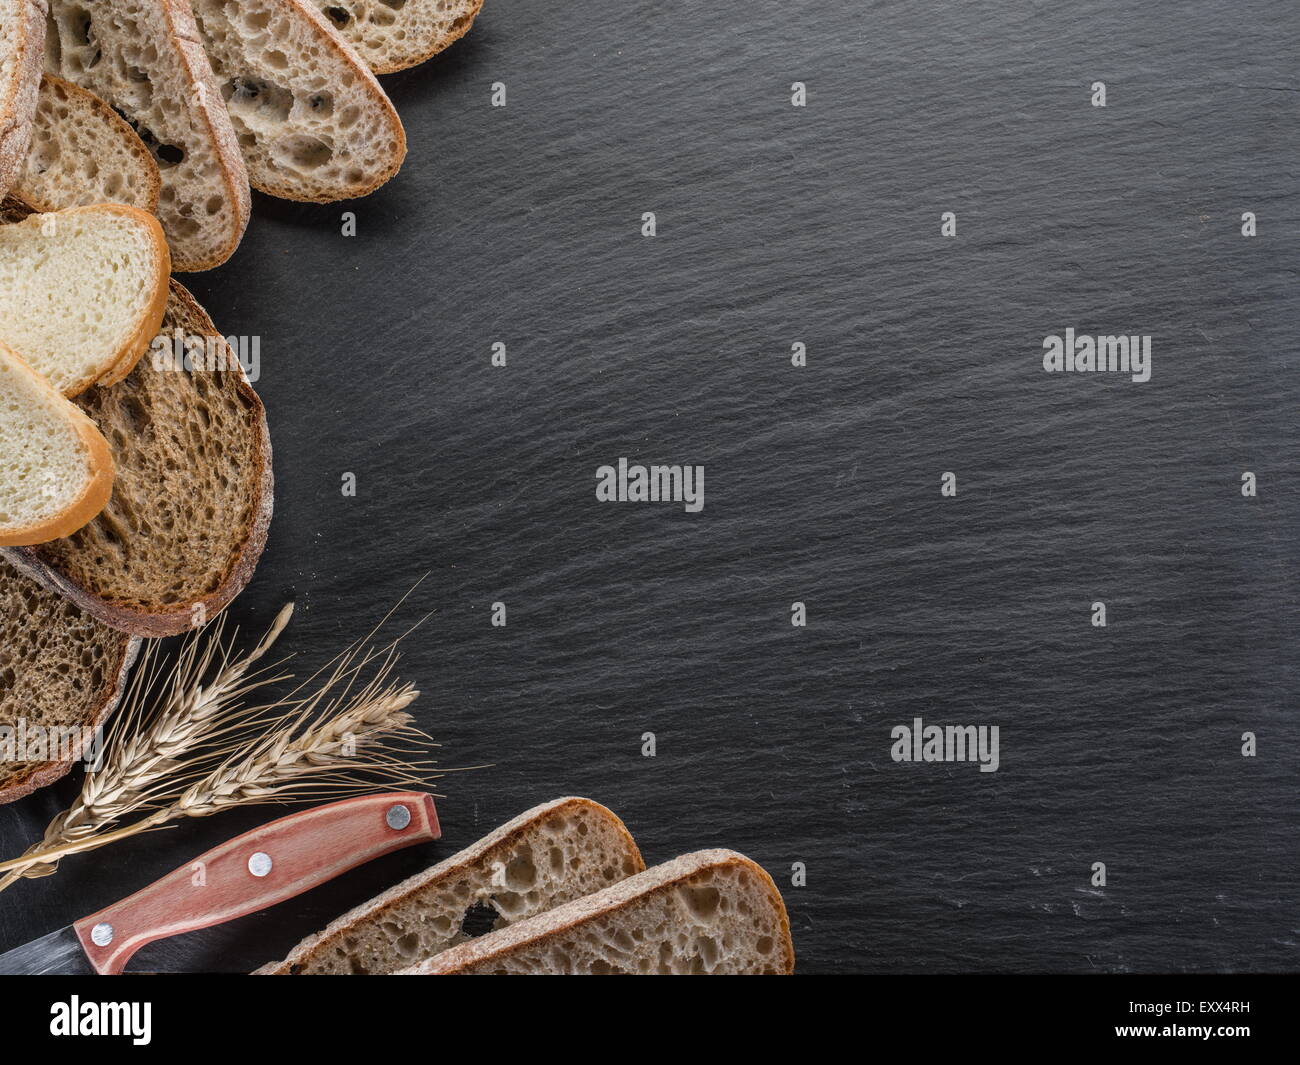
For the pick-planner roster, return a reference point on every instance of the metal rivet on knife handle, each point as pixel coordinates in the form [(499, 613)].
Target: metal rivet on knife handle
[(398, 817), (102, 934), (259, 864)]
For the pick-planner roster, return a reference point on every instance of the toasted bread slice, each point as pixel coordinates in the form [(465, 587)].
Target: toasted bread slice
[(311, 119), (708, 913), (188, 519), (555, 852), (56, 471), (61, 675), (83, 152), (22, 29), (392, 35), (82, 292), (144, 58)]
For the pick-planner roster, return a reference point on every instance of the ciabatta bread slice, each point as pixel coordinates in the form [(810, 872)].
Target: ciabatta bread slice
[(82, 292), (61, 675), (555, 852), (83, 152), (708, 913), (311, 119), (144, 58), (392, 35), (56, 470), (22, 31), (188, 519)]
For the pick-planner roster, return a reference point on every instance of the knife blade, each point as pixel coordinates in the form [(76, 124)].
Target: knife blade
[(56, 954), (249, 873)]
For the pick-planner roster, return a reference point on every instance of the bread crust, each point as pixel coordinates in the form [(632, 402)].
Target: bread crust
[(47, 773), (564, 918), (152, 316), (185, 32), (177, 618), (96, 490), (121, 129), (374, 909), (16, 126)]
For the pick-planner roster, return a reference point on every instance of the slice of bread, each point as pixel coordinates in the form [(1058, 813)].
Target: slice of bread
[(708, 913), (83, 152), (311, 119), (144, 58), (392, 35), (549, 855), (22, 29), (56, 470), (61, 672), (189, 514), (82, 292)]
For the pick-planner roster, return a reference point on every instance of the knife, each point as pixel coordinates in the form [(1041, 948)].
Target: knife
[(251, 872)]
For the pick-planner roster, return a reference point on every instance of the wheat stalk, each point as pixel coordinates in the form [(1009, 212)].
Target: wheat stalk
[(207, 750), (142, 753)]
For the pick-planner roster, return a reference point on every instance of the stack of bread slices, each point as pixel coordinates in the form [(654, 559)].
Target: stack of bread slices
[(561, 890), (217, 96), (135, 479), (135, 493)]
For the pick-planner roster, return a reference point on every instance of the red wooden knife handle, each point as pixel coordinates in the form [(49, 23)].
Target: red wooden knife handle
[(257, 870)]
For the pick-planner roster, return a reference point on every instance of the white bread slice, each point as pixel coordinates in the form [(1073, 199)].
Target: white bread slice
[(56, 471), (311, 119), (61, 671), (82, 292), (83, 152), (549, 855), (192, 503), (22, 30), (709, 913), (143, 57), (392, 35)]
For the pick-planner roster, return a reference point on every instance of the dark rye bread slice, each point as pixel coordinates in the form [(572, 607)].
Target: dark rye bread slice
[(60, 669), (711, 913), (555, 852), (192, 502)]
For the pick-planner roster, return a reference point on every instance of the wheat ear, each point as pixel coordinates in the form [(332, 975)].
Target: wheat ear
[(144, 749), (325, 743)]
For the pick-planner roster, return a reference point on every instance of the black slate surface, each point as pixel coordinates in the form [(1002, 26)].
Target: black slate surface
[(819, 225)]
